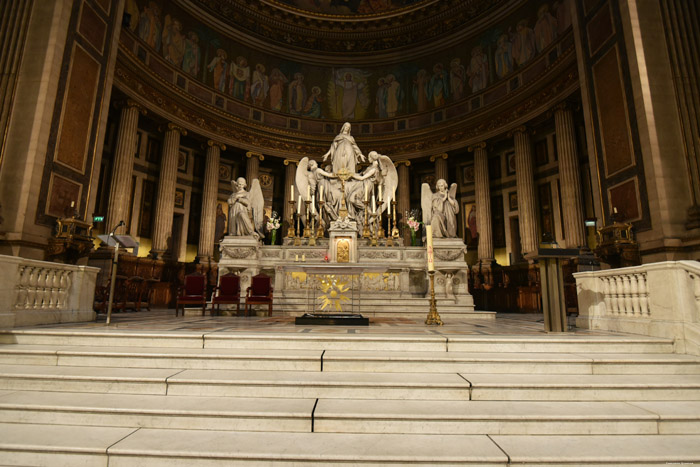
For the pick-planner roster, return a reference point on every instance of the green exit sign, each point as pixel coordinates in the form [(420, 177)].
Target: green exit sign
[(98, 218)]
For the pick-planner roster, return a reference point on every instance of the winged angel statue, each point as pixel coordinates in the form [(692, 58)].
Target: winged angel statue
[(246, 209), (440, 209)]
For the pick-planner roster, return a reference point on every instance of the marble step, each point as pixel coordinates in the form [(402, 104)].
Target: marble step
[(534, 387), (157, 411), (419, 341), (338, 360), (507, 417), (60, 446), (349, 415)]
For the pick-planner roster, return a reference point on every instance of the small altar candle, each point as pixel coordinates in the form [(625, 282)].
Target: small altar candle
[(380, 192), (388, 208), (308, 192), (429, 243), (374, 205), (366, 192), (292, 187), (296, 257), (313, 204), (299, 206), (303, 258), (320, 193)]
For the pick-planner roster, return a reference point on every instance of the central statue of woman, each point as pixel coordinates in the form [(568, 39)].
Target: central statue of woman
[(344, 152)]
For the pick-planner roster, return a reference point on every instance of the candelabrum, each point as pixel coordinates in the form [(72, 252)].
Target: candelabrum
[(312, 230), (389, 238), (380, 227), (320, 229), (375, 234), (433, 315), (365, 229), (395, 230), (292, 209), (297, 237), (307, 230)]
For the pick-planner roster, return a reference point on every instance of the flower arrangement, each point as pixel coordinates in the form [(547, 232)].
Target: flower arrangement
[(273, 223), (413, 222)]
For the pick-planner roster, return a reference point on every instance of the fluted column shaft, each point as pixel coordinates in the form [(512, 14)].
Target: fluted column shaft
[(403, 201), (252, 167), (122, 168), (289, 176), (526, 191), (207, 228), (572, 206), (483, 202), (165, 201), (441, 167)]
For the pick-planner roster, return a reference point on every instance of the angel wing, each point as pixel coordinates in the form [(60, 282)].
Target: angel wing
[(426, 203), (452, 193), (391, 178), (302, 177), (257, 203)]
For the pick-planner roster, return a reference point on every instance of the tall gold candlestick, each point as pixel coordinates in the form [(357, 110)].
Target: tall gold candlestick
[(365, 228), (290, 230), (380, 227), (307, 231), (395, 230), (320, 230)]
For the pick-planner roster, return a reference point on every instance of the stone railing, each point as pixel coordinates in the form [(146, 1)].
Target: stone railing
[(658, 299), (40, 292)]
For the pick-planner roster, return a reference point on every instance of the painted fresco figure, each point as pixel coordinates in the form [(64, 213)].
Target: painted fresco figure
[(260, 85), (393, 95), (150, 26), (297, 94), (438, 87), (380, 99), (190, 62), (312, 108), (545, 28), (218, 67), (458, 76), (503, 56), (173, 41), (478, 69), (523, 43), (277, 82), (420, 90), (239, 85)]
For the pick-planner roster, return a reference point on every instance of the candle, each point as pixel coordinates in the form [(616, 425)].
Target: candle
[(299, 206), (366, 192), (296, 257), (380, 192), (388, 208), (429, 242), (313, 204), (320, 193), (303, 257), (292, 187), (374, 205), (308, 192)]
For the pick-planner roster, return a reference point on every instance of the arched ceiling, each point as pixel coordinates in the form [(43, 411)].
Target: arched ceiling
[(353, 28)]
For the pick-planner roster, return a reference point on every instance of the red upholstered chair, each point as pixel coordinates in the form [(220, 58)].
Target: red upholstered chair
[(229, 291), (194, 292), (259, 292)]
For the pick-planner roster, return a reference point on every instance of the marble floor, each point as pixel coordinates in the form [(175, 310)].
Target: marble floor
[(165, 320)]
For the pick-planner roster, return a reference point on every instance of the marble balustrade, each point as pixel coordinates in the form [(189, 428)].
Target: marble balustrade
[(656, 299), (41, 292)]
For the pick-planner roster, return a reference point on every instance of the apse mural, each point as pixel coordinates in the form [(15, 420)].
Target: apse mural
[(346, 94)]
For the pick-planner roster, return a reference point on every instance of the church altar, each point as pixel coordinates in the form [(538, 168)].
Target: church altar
[(346, 227)]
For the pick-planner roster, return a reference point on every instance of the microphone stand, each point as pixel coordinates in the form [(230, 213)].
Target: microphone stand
[(114, 273)]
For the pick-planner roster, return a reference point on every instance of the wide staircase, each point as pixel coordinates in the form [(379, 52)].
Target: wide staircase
[(137, 398)]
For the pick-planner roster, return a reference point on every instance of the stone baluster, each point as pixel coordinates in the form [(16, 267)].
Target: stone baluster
[(123, 165), (643, 294), (634, 291), (626, 291), (205, 249), (483, 202), (290, 172), (570, 177), (616, 294), (165, 201), (526, 190), (607, 294), (252, 167), (403, 201), (441, 171)]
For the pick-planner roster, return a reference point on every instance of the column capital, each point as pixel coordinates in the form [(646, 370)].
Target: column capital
[(130, 103), (520, 129), (211, 143), (291, 161), (405, 162), (438, 156), (173, 127), (479, 145), (250, 154)]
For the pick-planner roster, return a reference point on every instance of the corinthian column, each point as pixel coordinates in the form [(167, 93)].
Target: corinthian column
[(440, 166), (526, 190), (251, 168), (404, 198), (289, 178), (205, 249), (123, 166), (483, 202), (165, 202), (570, 178)]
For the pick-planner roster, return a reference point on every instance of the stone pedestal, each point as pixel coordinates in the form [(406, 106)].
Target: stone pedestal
[(451, 274), (343, 241), (240, 255)]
